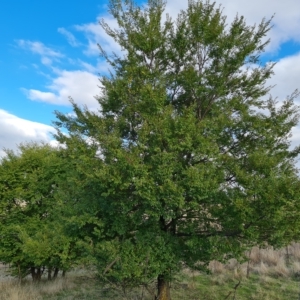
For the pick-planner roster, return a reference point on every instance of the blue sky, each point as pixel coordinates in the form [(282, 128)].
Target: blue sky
[(49, 52), (33, 33)]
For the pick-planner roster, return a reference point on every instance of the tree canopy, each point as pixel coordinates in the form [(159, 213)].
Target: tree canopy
[(32, 231), (188, 158)]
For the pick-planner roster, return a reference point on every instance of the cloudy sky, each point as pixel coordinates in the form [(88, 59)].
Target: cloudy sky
[(49, 52)]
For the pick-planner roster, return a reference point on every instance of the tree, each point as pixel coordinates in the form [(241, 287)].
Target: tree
[(188, 159), (32, 230)]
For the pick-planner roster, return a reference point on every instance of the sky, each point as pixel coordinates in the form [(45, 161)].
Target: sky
[(49, 53)]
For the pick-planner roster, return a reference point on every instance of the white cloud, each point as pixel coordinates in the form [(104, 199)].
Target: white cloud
[(40, 96), (46, 61), (82, 86), (69, 36), (14, 130), (287, 76), (38, 48), (47, 54), (96, 35), (286, 21), (88, 67), (295, 140), (101, 67), (286, 80)]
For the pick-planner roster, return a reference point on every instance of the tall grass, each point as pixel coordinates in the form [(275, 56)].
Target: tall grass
[(26, 290), (268, 261)]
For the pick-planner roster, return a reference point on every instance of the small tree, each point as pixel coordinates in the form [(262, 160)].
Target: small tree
[(187, 160), (32, 232)]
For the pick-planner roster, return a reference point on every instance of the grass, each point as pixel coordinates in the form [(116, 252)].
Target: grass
[(269, 275), (222, 286), (208, 287)]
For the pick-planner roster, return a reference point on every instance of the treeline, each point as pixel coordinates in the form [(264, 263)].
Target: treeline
[(186, 161)]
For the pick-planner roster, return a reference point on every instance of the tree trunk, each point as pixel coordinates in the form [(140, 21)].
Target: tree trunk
[(163, 288), (33, 274), (55, 273), (39, 274), (163, 285), (19, 273), (36, 274), (49, 273)]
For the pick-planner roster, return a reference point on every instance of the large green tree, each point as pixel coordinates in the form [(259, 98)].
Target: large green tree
[(188, 158), (32, 228)]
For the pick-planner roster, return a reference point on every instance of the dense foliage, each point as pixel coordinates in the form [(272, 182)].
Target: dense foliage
[(32, 232)]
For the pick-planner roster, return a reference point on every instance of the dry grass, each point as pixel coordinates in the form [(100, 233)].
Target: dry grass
[(268, 261), (14, 290)]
